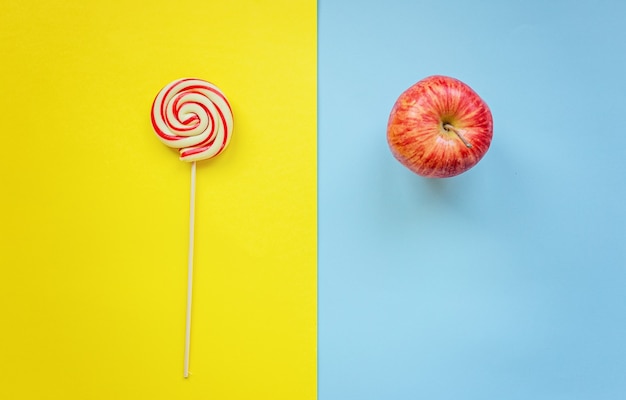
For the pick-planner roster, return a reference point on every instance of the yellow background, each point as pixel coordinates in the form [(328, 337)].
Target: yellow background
[(94, 212)]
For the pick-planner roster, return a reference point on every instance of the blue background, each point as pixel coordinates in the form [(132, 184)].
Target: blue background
[(506, 282)]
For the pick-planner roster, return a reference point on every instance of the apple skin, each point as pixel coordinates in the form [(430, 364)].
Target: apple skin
[(439, 127)]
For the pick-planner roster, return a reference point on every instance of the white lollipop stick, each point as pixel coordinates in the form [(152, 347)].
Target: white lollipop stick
[(193, 116), (192, 208)]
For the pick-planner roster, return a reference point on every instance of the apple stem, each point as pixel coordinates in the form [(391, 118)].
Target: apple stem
[(449, 127)]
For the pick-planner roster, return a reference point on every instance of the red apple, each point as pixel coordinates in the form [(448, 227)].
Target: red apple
[(439, 127)]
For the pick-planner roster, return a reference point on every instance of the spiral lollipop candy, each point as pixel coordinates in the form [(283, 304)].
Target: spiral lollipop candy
[(193, 116)]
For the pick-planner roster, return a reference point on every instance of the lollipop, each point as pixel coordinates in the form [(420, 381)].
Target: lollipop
[(193, 116)]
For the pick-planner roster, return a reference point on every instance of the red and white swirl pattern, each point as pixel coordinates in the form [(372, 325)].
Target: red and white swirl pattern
[(193, 116)]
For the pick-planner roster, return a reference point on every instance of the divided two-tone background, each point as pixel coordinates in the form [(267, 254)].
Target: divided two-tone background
[(323, 268)]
